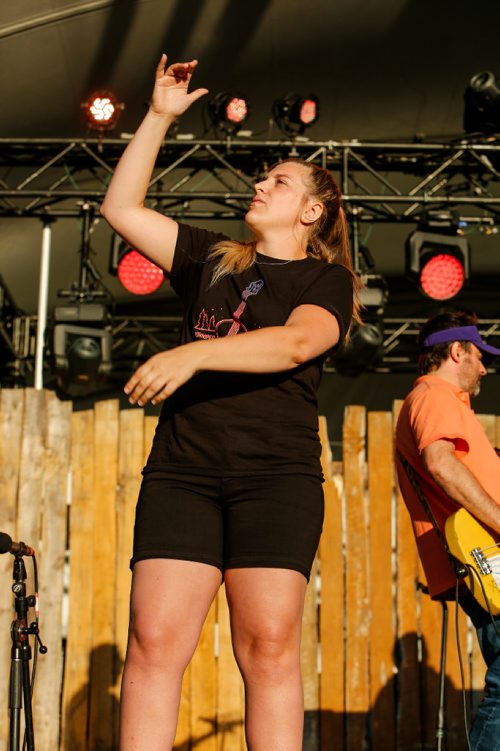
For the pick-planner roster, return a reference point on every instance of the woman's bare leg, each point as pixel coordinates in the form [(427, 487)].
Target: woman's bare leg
[(169, 603), (266, 607)]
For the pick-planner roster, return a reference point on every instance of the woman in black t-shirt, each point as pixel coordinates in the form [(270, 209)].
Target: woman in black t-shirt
[(233, 482)]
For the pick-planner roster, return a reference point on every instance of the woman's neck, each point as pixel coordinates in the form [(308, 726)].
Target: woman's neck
[(287, 249)]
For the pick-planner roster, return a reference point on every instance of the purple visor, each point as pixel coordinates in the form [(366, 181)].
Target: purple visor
[(463, 334)]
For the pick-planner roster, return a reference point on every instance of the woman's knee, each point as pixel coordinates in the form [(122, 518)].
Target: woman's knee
[(159, 642), (268, 653)]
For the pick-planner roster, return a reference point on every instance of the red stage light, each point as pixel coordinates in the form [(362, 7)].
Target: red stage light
[(439, 261), (139, 275), (236, 110), (228, 111), (308, 111), (442, 276), (102, 110), (294, 113)]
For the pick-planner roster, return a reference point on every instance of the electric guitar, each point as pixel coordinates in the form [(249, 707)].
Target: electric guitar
[(476, 547)]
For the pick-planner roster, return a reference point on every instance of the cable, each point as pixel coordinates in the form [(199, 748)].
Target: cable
[(35, 650)]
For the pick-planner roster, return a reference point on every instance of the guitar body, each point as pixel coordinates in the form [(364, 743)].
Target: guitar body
[(475, 546)]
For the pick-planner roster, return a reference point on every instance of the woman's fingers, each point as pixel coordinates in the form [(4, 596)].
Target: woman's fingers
[(161, 375), (181, 72), (160, 68)]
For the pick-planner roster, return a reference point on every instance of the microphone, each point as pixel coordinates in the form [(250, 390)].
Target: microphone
[(7, 545)]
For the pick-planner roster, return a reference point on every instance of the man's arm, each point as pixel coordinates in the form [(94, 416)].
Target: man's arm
[(459, 483)]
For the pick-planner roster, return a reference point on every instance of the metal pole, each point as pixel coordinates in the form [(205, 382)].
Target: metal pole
[(355, 240), (43, 290)]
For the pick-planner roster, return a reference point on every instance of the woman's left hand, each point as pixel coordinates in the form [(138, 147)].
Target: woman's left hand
[(161, 375)]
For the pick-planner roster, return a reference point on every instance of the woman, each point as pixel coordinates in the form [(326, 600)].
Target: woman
[(233, 482)]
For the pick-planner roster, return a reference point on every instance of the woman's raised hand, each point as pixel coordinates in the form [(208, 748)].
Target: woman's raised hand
[(170, 93)]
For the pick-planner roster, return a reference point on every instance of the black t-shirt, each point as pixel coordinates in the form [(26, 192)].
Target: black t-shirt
[(226, 423)]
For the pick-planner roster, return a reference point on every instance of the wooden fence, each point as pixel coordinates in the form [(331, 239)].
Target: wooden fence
[(371, 639)]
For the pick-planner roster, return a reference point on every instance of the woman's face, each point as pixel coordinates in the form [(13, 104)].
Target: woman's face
[(281, 200)]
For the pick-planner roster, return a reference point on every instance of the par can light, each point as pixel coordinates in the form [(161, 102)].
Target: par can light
[(293, 113), (228, 112), (102, 110), (482, 104), (439, 263), (137, 274)]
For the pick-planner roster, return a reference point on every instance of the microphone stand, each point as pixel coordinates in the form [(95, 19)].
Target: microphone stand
[(20, 659)]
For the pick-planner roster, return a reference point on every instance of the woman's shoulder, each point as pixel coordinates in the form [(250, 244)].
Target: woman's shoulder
[(191, 238)]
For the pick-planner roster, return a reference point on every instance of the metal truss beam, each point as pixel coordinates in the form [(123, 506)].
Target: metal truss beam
[(201, 179), (135, 338)]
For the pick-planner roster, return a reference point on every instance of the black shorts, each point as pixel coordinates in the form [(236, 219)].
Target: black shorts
[(237, 522)]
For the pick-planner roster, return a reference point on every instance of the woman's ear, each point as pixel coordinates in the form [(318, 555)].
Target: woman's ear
[(312, 212)]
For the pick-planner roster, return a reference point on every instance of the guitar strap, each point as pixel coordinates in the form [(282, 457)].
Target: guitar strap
[(457, 566)]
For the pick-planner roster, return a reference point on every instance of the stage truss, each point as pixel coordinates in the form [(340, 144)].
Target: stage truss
[(53, 179), (386, 182)]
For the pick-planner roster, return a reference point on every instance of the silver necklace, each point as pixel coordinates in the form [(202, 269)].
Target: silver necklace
[(278, 263)]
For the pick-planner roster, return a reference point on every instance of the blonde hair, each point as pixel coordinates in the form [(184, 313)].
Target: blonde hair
[(328, 237)]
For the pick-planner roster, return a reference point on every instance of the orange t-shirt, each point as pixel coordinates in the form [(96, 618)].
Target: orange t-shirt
[(436, 409)]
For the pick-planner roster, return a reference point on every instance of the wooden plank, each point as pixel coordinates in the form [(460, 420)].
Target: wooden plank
[(203, 709), (11, 419), (230, 694), (408, 714), (309, 664), (51, 570), (431, 624), (31, 470), (357, 596), (31, 476), (489, 426), (477, 672), (183, 731), (76, 688), (332, 608), (453, 695), (382, 621), (150, 423), (130, 462), (103, 656)]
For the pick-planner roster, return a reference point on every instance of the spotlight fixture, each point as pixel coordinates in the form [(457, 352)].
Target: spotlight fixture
[(81, 345), (365, 347), (293, 113), (102, 110), (438, 258), (482, 104), (137, 274), (228, 111)]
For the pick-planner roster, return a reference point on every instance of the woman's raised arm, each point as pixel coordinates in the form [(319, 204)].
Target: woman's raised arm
[(147, 230)]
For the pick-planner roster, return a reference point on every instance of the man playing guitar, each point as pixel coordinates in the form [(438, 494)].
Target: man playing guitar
[(453, 463)]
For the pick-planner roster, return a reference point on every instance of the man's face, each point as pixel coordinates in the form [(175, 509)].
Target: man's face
[(471, 370)]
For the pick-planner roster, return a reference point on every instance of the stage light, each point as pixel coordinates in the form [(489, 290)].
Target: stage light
[(294, 113), (228, 112), (439, 263), (137, 274), (81, 345), (102, 110), (482, 104), (365, 348)]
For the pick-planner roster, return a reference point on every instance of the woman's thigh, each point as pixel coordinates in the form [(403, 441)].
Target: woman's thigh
[(266, 604), (170, 600)]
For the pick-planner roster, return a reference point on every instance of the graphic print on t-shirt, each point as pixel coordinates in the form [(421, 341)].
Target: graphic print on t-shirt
[(206, 326)]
